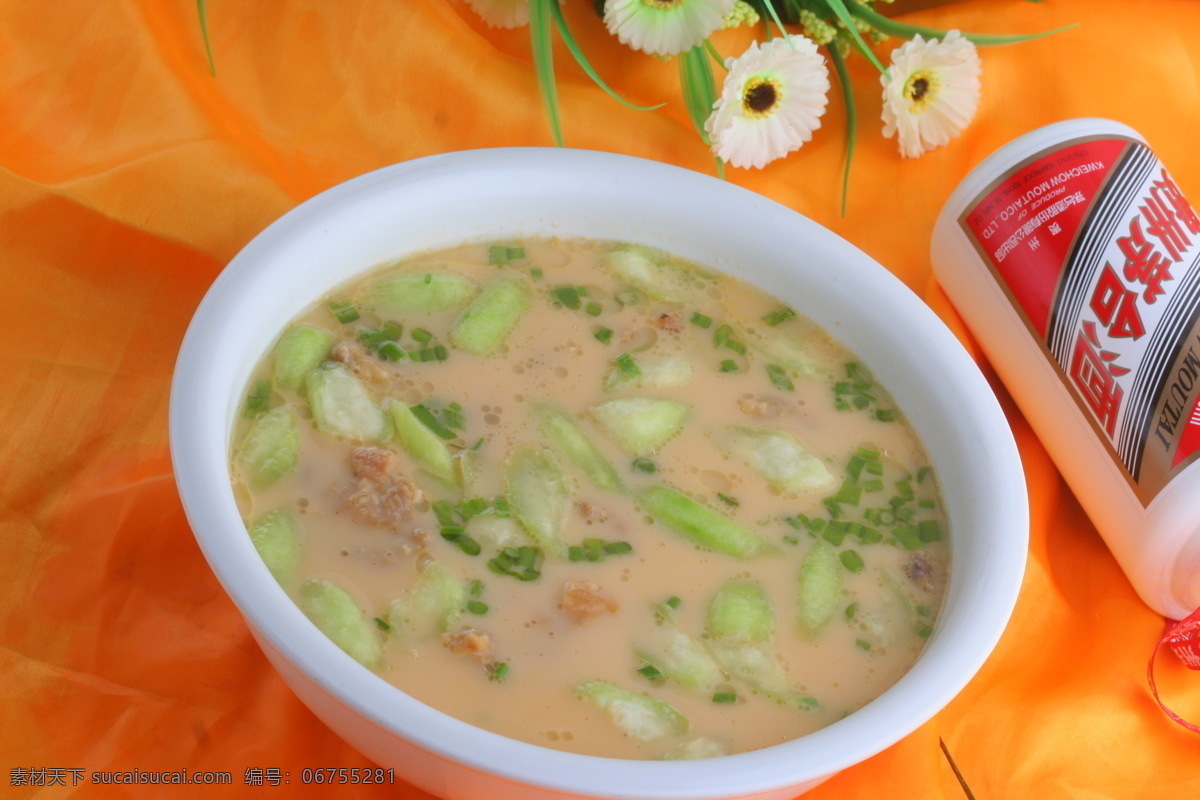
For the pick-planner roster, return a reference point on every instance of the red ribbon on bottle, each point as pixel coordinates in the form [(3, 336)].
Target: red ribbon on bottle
[(1183, 637)]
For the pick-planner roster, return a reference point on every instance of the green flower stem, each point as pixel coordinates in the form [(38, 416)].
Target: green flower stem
[(838, 7), (202, 12), (560, 22), (712, 51), (770, 6), (699, 90), (839, 65), (905, 31), (540, 24)]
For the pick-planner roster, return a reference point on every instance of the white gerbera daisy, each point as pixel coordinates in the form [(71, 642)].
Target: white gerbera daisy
[(771, 102), (665, 27), (930, 92), (502, 13)]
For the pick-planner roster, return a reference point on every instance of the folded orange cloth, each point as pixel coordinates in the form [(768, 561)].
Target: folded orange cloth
[(129, 175)]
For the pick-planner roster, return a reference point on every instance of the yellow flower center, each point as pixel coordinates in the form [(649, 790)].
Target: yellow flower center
[(760, 97), (920, 89), (663, 5)]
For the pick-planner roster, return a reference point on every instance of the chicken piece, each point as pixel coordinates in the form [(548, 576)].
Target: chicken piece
[(470, 642), (760, 406), (920, 570), (359, 361), (590, 512), (669, 323), (582, 602), (382, 497)]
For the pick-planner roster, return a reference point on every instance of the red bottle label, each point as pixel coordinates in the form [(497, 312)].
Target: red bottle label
[(1099, 252)]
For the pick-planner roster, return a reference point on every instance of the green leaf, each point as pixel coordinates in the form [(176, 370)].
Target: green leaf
[(770, 7), (540, 17), (200, 10), (843, 14), (905, 31), (839, 65), (560, 22), (699, 87)]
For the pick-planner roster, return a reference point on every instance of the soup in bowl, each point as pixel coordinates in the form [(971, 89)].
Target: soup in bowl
[(519, 463)]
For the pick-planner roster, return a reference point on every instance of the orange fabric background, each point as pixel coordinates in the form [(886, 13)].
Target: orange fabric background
[(129, 176)]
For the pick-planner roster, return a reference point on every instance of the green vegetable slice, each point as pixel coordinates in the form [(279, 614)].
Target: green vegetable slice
[(701, 524), (653, 373), (276, 537), (741, 612), (486, 323), (334, 612), (419, 292), (300, 350), (820, 587), (642, 424), (432, 605), (561, 428), (540, 495), (652, 273), (684, 660), (640, 716), (343, 407), (426, 447), (270, 448), (775, 455)]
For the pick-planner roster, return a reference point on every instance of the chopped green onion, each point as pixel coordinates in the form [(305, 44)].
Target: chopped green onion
[(259, 400), (391, 351), (426, 416), (701, 320), (727, 500), (536, 273), (382, 624), (725, 697), (344, 311), (461, 540), (851, 610), (929, 530), (729, 365), (477, 608), (567, 295), (421, 335), (628, 366), (498, 255), (863, 644), (885, 414), (521, 563), (476, 588), (851, 560), (498, 672), (925, 631), (651, 672), (594, 309), (907, 536), (776, 317), (673, 602), (779, 378), (603, 335), (645, 465), (391, 331), (515, 253), (444, 512), (618, 548)]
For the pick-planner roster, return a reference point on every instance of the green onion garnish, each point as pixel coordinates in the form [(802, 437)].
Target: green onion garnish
[(391, 351), (426, 416), (515, 252), (498, 255), (651, 672), (421, 336), (729, 365), (925, 631), (382, 624), (344, 311), (863, 644), (462, 541), (701, 320), (851, 560), (536, 273), (594, 309), (725, 697), (779, 378), (498, 672), (476, 588), (477, 607), (672, 602), (851, 610), (259, 400), (618, 548), (645, 465), (567, 295), (929, 530), (603, 335), (727, 500), (628, 366), (776, 317)]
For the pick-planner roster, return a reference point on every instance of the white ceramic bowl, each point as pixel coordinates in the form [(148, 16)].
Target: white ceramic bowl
[(504, 194)]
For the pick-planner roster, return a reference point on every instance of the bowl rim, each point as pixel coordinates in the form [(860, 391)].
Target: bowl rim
[(196, 403)]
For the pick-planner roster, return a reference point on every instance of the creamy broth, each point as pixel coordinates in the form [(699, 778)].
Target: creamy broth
[(830, 539)]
